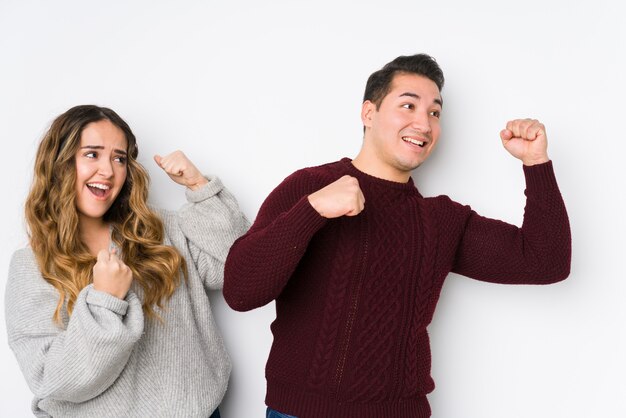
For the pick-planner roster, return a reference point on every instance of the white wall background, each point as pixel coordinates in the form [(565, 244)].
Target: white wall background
[(254, 90)]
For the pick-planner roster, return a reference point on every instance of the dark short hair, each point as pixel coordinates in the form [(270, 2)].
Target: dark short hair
[(379, 83)]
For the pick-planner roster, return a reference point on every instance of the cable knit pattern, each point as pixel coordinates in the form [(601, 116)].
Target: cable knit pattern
[(354, 295), (333, 310), (106, 360), (417, 373), (380, 326)]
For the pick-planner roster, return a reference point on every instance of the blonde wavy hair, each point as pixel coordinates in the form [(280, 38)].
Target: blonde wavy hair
[(52, 218)]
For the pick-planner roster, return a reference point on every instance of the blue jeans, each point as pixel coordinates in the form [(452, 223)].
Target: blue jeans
[(271, 413), (215, 414)]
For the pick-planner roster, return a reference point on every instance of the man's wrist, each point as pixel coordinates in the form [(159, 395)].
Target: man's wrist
[(535, 161)]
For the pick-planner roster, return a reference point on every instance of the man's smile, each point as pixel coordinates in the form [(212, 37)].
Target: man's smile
[(414, 141)]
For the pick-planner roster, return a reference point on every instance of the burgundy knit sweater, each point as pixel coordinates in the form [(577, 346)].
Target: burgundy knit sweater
[(354, 295)]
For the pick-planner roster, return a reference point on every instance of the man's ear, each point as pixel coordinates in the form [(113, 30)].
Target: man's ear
[(367, 113)]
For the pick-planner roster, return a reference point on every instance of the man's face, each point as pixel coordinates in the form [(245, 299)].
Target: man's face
[(404, 130)]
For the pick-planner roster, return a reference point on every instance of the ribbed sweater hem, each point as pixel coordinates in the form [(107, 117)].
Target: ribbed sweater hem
[(293, 400)]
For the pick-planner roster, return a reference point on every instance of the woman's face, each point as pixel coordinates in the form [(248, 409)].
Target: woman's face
[(101, 165)]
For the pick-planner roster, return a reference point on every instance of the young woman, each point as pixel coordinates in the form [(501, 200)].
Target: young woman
[(107, 310)]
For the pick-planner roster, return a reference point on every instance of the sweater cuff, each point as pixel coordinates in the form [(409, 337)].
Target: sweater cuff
[(540, 177), (306, 219), (105, 300), (213, 187)]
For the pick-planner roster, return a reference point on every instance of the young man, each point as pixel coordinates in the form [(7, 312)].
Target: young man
[(355, 256)]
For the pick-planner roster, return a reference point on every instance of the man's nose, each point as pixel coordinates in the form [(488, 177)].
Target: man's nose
[(421, 122)]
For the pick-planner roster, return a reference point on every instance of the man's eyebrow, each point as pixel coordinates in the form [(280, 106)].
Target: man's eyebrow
[(417, 96), (115, 150)]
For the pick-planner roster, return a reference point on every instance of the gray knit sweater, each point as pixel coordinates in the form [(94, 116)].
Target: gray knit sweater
[(107, 360)]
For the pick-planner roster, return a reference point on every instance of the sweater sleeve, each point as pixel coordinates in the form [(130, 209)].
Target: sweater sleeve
[(537, 253), (210, 222), (261, 262), (80, 361)]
